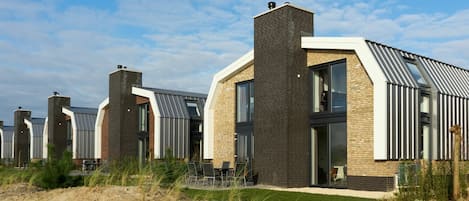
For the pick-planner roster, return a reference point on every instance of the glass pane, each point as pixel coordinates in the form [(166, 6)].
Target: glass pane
[(142, 117), (193, 109), (251, 101), (415, 72), (339, 87), (338, 143), (322, 155), (320, 90), (242, 105), (425, 104)]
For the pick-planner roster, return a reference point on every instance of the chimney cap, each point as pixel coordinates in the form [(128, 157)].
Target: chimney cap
[(119, 66), (19, 107), (56, 93), (271, 5)]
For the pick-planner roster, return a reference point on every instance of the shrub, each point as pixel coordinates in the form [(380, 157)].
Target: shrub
[(56, 173)]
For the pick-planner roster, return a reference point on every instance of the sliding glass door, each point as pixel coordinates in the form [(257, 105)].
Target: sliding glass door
[(329, 155)]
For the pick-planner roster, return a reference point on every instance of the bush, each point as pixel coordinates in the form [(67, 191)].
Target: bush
[(432, 182), (56, 173), (170, 169)]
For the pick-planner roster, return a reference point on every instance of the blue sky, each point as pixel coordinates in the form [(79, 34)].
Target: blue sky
[(71, 46)]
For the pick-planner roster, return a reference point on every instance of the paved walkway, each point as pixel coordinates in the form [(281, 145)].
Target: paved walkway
[(332, 191), (314, 190)]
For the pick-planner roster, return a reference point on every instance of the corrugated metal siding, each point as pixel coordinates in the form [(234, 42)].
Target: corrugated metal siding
[(175, 119), (7, 146), (448, 79), (38, 129), (451, 84), (85, 135), (452, 110), (392, 64), (403, 118), (85, 119)]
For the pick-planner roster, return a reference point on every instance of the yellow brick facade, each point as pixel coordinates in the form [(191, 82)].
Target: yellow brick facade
[(360, 160), (224, 117)]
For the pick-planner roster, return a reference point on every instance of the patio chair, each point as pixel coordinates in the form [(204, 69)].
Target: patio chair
[(240, 173), (192, 174), (209, 173), (225, 171)]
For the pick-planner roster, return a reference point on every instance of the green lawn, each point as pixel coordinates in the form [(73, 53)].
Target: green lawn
[(262, 195)]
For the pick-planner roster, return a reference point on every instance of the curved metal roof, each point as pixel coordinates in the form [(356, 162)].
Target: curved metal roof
[(172, 103), (448, 79)]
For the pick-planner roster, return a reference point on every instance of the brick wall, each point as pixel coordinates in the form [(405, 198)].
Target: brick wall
[(360, 160), (224, 117)]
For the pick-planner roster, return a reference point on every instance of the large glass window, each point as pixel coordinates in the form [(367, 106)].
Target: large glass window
[(329, 155), (330, 87), (245, 101), (339, 87)]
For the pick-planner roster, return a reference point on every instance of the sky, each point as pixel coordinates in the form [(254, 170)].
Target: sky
[(71, 46)]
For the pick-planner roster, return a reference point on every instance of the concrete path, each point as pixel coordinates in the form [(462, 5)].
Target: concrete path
[(332, 191)]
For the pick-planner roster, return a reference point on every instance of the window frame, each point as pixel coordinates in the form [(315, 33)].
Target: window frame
[(328, 113), (250, 91)]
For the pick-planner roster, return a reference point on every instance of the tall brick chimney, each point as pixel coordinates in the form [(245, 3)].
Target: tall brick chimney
[(56, 123), (123, 114), (21, 137), (281, 126)]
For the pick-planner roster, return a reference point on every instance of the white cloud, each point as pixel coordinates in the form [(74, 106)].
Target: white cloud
[(179, 44)]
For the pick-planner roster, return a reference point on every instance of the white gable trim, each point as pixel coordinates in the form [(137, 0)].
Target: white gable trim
[(74, 130), (98, 128), (376, 75), (157, 116), (31, 134), (45, 138), (221, 76)]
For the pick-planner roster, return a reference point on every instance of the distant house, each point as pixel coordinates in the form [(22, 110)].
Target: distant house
[(70, 128), (143, 122), (331, 111)]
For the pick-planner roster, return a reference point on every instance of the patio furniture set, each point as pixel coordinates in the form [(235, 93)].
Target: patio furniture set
[(206, 174)]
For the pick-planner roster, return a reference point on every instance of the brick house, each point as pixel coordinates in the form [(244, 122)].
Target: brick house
[(331, 111), (143, 122)]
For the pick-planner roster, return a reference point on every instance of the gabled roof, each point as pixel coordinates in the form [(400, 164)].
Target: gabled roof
[(83, 110)]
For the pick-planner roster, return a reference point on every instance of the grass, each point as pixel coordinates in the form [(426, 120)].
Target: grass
[(262, 195)]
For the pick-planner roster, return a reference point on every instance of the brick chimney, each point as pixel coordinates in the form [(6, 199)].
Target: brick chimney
[(281, 125), (123, 114), (56, 123), (21, 137)]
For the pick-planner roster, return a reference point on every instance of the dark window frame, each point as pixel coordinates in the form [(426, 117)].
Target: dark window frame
[(328, 115), (250, 119), (419, 68)]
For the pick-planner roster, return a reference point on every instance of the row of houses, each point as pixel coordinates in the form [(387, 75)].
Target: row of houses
[(300, 110), (133, 121)]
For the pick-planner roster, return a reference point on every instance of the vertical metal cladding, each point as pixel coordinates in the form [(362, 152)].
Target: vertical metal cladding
[(175, 119), (403, 118), (452, 98), (452, 110), (85, 119), (85, 134), (7, 142), (37, 137)]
